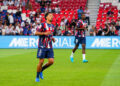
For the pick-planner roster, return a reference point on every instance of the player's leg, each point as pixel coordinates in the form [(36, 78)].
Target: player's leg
[(50, 62), (73, 51), (83, 50), (39, 67), (75, 48), (50, 56), (40, 55), (83, 53)]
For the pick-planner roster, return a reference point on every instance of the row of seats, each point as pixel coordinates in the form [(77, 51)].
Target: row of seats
[(69, 4), (57, 17), (114, 2), (64, 4), (109, 1), (64, 14), (102, 14)]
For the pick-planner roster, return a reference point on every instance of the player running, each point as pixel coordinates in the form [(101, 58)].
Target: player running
[(80, 37), (45, 50)]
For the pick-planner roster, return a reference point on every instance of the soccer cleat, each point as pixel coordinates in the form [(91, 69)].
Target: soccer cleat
[(71, 58), (41, 75), (37, 80), (85, 61)]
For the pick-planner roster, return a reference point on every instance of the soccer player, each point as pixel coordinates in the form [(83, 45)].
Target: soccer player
[(45, 50), (80, 37)]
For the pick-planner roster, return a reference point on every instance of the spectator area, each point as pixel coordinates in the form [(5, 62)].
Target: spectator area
[(33, 17), (68, 9), (69, 4), (102, 14)]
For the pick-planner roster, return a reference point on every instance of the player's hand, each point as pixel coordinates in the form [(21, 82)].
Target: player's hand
[(47, 33), (53, 39), (84, 28)]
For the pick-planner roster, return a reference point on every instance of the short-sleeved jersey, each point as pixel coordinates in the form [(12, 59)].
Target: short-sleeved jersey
[(81, 33), (45, 41)]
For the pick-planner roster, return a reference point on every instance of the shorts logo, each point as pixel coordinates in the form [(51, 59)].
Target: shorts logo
[(40, 52), (76, 40)]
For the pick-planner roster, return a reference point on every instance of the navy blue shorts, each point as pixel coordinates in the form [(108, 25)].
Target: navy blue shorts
[(45, 53), (80, 40)]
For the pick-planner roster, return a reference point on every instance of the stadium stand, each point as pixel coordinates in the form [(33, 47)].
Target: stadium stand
[(108, 18), (65, 13), (68, 10), (102, 14)]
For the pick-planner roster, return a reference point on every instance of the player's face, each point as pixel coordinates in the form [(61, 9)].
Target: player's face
[(83, 16), (50, 17)]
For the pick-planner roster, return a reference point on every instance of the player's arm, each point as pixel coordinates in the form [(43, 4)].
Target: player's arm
[(39, 31), (83, 28), (42, 33), (53, 39)]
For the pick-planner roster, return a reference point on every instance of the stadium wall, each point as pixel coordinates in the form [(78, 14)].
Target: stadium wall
[(62, 42)]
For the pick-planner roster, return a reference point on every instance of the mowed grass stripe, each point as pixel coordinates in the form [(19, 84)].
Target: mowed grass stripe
[(11, 52), (113, 76)]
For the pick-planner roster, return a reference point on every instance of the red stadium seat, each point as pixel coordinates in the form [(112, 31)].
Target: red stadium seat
[(102, 14)]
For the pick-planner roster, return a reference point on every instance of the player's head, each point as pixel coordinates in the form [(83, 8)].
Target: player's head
[(49, 16), (83, 16)]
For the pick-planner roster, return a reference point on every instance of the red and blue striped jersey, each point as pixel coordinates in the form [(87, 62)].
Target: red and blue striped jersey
[(45, 41), (80, 24)]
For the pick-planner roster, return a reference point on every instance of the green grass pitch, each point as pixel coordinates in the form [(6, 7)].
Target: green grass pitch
[(18, 68)]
